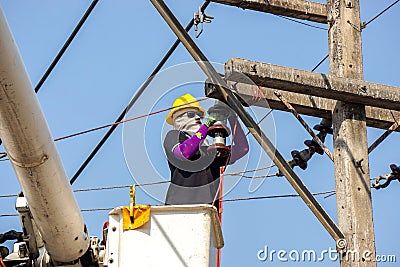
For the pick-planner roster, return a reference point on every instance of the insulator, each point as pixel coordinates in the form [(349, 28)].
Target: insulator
[(323, 128), (299, 160), (395, 169), (314, 146)]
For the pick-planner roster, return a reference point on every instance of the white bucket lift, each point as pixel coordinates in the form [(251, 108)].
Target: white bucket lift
[(181, 235)]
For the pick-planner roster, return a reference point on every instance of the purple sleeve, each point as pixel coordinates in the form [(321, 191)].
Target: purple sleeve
[(240, 146), (189, 147)]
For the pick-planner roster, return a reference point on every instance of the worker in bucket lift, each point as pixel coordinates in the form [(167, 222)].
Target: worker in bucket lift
[(195, 170)]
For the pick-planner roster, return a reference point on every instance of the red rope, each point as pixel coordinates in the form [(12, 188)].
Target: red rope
[(2, 263), (257, 96), (123, 121), (221, 184), (127, 120), (221, 191)]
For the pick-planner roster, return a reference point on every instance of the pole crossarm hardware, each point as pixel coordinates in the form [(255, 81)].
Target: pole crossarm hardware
[(317, 84), (222, 93), (299, 9), (310, 105)]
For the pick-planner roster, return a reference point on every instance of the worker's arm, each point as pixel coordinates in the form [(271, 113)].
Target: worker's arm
[(240, 145), (190, 146)]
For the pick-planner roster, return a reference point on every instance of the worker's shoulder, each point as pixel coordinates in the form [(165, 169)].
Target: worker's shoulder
[(177, 134), (171, 134), (174, 137)]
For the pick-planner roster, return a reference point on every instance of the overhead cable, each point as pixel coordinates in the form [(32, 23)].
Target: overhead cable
[(381, 13), (303, 23), (225, 200), (262, 176), (246, 171), (119, 186), (101, 188), (66, 45), (241, 173), (362, 26), (276, 196), (319, 63)]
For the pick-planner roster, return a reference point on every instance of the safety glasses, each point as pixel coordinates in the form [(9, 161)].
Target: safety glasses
[(191, 114)]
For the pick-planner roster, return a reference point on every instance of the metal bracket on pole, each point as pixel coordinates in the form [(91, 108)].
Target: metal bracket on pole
[(223, 93), (200, 18)]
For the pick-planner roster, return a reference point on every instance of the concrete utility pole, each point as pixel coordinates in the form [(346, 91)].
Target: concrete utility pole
[(353, 196)]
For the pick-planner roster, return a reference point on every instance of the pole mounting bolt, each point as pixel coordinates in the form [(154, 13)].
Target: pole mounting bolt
[(358, 164), (253, 68)]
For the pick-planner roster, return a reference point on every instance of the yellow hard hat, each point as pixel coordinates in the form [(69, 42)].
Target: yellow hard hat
[(179, 103)]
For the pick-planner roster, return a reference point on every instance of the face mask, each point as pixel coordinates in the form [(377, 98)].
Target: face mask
[(186, 123)]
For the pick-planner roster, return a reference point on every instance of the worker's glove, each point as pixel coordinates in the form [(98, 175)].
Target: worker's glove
[(210, 122)]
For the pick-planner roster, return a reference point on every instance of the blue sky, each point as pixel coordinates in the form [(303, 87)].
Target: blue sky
[(114, 53)]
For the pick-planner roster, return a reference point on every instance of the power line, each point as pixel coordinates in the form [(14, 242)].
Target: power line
[(8, 215), (124, 121), (275, 196), (133, 101), (164, 182), (225, 200), (319, 63), (263, 118), (378, 15), (363, 26), (101, 188), (302, 23), (119, 187), (146, 184), (96, 209), (115, 124), (9, 195), (246, 171), (261, 176), (241, 173), (82, 210), (66, 45)]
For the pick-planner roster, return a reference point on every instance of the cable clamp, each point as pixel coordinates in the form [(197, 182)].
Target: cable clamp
[(387, 178), (200, 18)]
